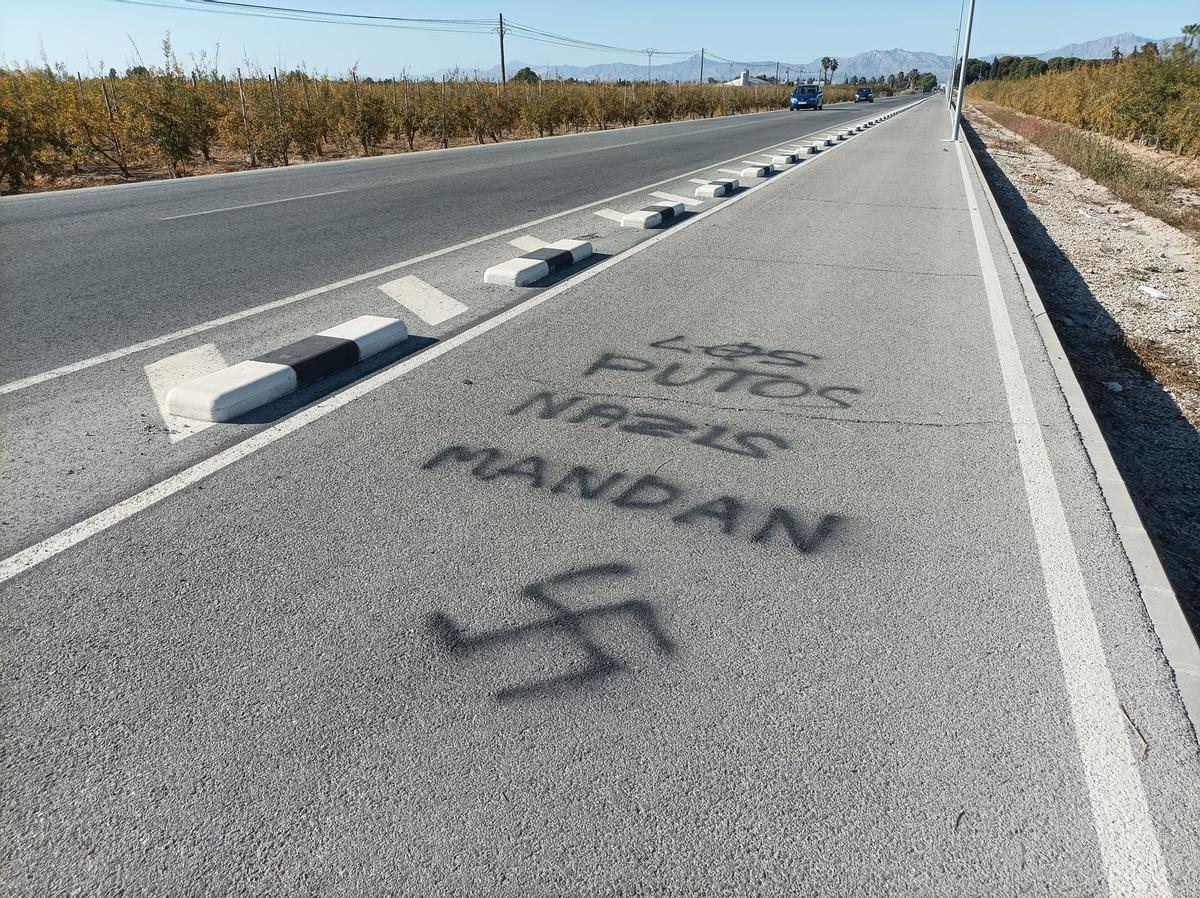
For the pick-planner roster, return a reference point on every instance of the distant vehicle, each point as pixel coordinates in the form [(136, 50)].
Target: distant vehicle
[(810, 96), (864, 95)]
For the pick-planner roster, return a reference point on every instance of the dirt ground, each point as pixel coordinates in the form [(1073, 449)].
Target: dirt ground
[(1137, 356)]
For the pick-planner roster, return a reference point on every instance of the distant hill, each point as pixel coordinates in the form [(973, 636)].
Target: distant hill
[(869, 64), (1100, 48)]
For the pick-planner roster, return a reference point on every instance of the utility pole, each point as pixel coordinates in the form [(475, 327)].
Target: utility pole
[(777, 71), (649, 62), (503, 73), (962, 73), (701, 65), (957, 43)]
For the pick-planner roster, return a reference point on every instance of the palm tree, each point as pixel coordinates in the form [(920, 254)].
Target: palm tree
[(1116, 53), (833, 64), (1190, 33), (825, 61)]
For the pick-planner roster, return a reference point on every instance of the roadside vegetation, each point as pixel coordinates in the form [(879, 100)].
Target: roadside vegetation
[(59, 128), (1150, 96), (1156, 188)]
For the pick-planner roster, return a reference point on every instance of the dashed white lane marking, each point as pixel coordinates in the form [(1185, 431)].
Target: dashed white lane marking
[(179, 369), (610, 214), (424, 300), (1129, 848), (730, 171), (289, 199), (527, 243), (675, 198), (701, 180)]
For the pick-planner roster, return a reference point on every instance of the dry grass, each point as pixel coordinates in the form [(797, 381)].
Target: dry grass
[(1147, 186), (1170, 367)]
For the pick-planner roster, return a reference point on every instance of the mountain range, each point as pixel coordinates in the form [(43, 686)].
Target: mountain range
[(871, 64)]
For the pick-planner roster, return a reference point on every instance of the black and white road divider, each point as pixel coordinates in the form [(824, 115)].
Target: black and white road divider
[(652, 216), (233, 391), (533, 266), (757, 171), (717, 188)]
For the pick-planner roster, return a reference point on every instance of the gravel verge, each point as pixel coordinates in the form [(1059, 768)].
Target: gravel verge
[(1136, 355)]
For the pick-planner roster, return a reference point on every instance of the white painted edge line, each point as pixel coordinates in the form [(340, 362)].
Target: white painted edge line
[(1162, 604), (14, 386), (60, 542), (288, 199), (1129, 848)]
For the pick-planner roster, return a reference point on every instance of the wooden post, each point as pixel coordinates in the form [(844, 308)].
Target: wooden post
[(279, 111), (246, 120), (445, 136)]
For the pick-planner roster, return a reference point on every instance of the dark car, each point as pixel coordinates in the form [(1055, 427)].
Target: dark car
[(864, 95)]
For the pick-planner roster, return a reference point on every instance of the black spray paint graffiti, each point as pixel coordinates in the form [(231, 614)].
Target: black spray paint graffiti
[(733, 516), (748, 352), (721, 378), (754, 444), (572, 622)]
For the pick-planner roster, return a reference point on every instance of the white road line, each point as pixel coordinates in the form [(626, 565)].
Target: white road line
[(701, 180), (83, 364), (290, 199), (610, 214), (179, 369), (527, 243), (422, 299), (730, 171), (675, 198), (1129, 847), (48, 548)]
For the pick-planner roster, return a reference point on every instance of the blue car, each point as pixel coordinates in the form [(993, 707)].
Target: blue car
[(809, 96)]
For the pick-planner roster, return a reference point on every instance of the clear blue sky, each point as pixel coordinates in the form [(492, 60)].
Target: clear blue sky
[(86, 33)]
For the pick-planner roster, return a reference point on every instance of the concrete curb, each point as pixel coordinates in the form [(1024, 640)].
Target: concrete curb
[(233, 391), (717, 188), (1170, 625), (533, 266), (652, 216)]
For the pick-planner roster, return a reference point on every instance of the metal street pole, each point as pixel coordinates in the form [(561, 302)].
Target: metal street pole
[(950, 78), (962, 73), (701, 65)]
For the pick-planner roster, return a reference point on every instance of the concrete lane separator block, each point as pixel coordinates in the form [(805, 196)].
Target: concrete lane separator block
[(784, 159), (652, 216), (757, 171), (540, 263), (813, 149), (717, 188), (233, 391)]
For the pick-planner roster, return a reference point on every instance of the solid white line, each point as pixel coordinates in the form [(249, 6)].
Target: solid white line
[(290, 199), (527, 243), (55, 545), (1129, 848), (610, 214), (422, 299), (26, 382), (179, 369), (675, 198)]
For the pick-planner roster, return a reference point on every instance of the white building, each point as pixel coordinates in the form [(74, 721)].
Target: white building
[(744, 80)]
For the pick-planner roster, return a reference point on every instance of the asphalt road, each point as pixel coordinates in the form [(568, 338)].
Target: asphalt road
[(84, 272), (762, 557)]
